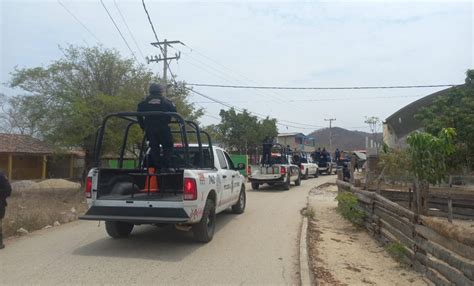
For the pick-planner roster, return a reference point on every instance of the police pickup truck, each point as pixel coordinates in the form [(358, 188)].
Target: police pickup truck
[(306, 164), (278, 171), (202, 182)]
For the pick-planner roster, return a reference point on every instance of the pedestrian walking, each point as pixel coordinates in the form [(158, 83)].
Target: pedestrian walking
[(5, 192)]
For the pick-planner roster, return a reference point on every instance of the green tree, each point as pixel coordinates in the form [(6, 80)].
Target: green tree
[(244, 132), (454, 110), (429, 155), (68, 99)]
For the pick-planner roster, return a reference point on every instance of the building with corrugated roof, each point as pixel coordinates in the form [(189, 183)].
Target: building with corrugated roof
[(399, 125)]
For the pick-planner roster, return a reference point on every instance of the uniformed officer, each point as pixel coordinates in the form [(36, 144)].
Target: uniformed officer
[(5, 191), (156, 128), (267, 150)]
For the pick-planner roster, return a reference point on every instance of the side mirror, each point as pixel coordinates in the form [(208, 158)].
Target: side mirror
[(241, 166)]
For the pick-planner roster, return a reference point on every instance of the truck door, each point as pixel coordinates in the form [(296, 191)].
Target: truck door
[(235, 191), (225, 175)]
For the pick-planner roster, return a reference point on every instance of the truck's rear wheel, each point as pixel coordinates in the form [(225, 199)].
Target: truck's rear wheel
[(239, 207), (204, 230), (286, 186), (255, 186), (118, 229)]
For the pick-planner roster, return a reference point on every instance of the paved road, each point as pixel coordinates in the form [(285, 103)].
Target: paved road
[(257, 247)]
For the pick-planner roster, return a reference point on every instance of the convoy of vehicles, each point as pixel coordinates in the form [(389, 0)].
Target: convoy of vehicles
[(279, 171), (203, 183)]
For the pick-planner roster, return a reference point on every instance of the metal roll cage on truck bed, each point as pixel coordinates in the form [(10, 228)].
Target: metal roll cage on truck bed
[(202, 182), (280, 171)]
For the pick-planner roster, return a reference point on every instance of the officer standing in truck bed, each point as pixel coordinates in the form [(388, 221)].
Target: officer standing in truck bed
[(157, 128)]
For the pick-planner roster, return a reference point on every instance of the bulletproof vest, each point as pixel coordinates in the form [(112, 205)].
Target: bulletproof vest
[(156, 103)]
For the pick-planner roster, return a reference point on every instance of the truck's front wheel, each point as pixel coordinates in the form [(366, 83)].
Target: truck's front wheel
[(255, 186), (298, 181), (286, 186), (118, 229), (204, 230), (239, 207)]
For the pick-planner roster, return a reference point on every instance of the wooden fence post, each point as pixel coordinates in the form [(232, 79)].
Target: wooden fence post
[(450, 200)]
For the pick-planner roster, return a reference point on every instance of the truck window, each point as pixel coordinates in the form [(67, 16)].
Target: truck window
[(221, 158), (229, 160)]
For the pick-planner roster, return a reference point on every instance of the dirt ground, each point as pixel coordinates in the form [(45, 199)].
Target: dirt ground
[(33, 206), (342, 254)]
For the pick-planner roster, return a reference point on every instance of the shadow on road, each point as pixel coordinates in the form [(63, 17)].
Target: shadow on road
[(151, 242), (271, 189)]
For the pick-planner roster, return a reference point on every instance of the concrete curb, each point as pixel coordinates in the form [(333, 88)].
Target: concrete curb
[(305, 274)]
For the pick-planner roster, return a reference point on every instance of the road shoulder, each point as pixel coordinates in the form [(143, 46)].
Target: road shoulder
[(342, 254)]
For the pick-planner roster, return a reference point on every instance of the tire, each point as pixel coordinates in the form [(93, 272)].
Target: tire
[(204, 229), (286, 186), (118, 229), (255, 186), (316, 174), (298, 181), (306, 175), (239, 207)]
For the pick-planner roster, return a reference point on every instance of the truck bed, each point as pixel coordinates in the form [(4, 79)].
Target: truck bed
[(136, 184)]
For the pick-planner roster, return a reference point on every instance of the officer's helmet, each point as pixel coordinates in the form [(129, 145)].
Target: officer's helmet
[(156, 89)]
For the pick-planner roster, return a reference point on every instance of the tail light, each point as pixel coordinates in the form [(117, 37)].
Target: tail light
[(190, 189), (302, 168), (249, 170), (282, 171), (89, 187)]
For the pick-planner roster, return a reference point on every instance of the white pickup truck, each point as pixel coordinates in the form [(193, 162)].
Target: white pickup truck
[(204, 182), (278, 171), (307, 166)]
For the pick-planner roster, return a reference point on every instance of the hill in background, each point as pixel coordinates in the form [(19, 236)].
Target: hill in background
[(342, 138)]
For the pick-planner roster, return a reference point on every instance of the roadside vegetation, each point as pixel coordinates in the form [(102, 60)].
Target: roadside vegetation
[(348, 207)]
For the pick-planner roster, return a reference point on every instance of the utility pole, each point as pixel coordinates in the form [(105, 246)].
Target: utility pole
[(330, 132), (163, 46)]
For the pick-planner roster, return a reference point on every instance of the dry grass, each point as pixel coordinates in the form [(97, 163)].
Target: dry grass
[(37, 208), (452, 231)]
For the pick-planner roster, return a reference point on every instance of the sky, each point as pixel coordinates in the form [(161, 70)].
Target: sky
[(286, 43)]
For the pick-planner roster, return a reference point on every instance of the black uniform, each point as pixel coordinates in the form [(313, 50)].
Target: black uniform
[(156, 128), (267, 151), (5, 192)]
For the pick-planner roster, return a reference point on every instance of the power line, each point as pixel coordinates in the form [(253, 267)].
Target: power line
[(321, 88), (326, 99), (128, 28), (118, 29), (259, 115), (80, 22), (158, 41)]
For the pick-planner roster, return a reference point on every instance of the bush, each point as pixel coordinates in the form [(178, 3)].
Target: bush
[(308, 212), (397, 251), (348, 207)]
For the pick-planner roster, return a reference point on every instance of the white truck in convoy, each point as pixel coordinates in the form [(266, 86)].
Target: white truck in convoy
[(202, 182), (278, 171), (307, 166)]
